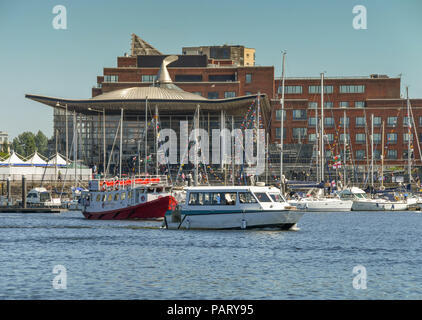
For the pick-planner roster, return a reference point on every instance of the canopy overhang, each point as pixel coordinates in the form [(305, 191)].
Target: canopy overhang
[(232, 106)]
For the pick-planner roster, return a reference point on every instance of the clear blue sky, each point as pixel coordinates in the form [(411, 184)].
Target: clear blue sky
[(318, 36)]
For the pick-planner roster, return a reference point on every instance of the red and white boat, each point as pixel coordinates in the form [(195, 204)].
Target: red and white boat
[(141, 197)]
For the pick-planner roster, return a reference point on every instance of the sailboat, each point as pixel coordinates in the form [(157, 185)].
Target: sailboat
[(318, 201)]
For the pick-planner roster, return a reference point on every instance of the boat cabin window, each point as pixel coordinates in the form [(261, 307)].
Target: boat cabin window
[(151, 190), (116, 197), (98, 198), (110, 197), (129, 195), (212, 198), (123, 196), (45, 196), (262, 197), (277, 197), (246, 197)]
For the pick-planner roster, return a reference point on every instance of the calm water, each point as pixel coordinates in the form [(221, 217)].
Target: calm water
[(138, 260)]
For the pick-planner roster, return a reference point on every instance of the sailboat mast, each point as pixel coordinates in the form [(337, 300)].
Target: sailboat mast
[(196, 144), (382, 157), (257, 133), (146, 135), (121, 143), (156, 139), (372, 150), (322, 126), (282, 118), (344, 149), (75, 149), (408, 136)]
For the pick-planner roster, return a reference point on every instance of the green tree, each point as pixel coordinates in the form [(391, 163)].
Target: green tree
[(41, 143), (25, 144)]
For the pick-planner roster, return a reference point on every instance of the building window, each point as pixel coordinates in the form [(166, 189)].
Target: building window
[(221, 77), (377, 121), (111, 78), (199, 93), (405, 154), (360, 154), (299, 133), (328, 154), (391, 154), (342, 155), (352, 89), (248, 77), (342, 138), (330, 137), (213, 95), (420, 121), (229, 94), (312, 105), (278, 115), (342, 122), (391, 121), (329, 122), (360, 121), (299, 114), (406, 137), (278, 133), (406, 122), (311, 137), (391, 137), (187, 78), (148, 78), (317, 89), (328, 105), (344, 104), (311, 122), (360, 138), (377, 154), (248, 93), (377, 137), (290, 89), (359, 104)]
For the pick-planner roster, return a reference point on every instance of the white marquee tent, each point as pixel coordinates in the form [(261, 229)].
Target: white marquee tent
[(36, 169)]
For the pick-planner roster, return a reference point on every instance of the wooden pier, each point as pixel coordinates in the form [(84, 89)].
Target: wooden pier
[(31, 210)]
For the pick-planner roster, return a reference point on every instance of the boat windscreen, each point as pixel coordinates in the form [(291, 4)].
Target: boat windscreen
[(45, 196), (262, 197), (277, 197)]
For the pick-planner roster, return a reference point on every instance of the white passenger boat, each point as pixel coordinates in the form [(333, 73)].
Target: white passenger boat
[(362, 202), (233, 208)]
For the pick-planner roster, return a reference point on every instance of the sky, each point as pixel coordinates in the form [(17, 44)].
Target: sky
[(318, 36)]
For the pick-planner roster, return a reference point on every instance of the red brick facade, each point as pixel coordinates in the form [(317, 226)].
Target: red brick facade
[(377, 95)]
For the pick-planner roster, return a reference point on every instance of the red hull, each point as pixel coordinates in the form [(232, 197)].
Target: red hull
[(149, 210)]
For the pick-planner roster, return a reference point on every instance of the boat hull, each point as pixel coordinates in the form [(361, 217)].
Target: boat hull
[(322, 206), (285, 220), (378, 206), (154, 209)]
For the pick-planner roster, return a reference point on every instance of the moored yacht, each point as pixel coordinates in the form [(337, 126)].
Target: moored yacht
[(232, 208), (319, 203), (362, 202)]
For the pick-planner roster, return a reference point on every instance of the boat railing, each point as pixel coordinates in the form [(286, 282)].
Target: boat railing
[(138, 180)]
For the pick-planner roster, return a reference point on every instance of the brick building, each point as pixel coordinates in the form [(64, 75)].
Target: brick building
[(221, 72)]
